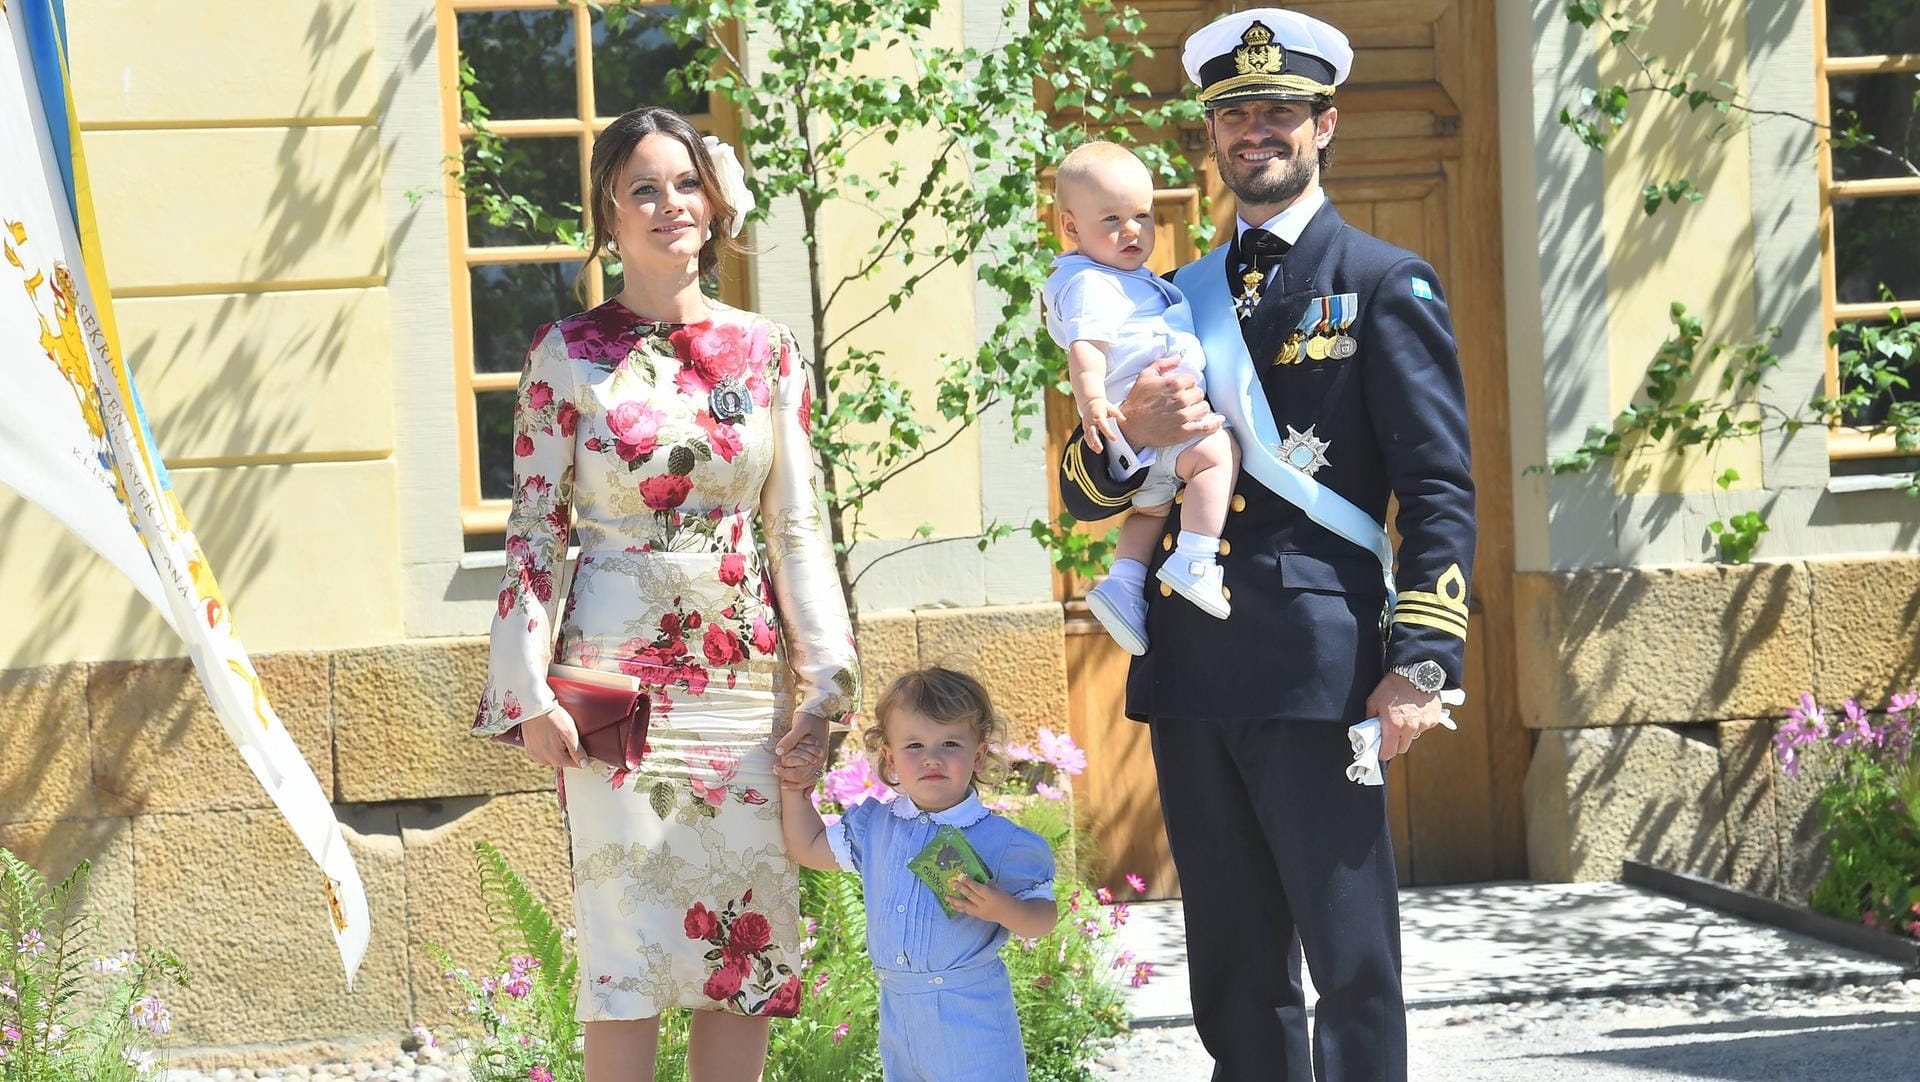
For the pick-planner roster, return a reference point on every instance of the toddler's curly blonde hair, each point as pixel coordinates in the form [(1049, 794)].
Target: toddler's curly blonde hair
[(950, 698)]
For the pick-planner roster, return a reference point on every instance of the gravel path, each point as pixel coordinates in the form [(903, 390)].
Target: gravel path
[(1851, 1033)]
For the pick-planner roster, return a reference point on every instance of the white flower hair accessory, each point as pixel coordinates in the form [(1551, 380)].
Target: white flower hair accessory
[(733, 182)]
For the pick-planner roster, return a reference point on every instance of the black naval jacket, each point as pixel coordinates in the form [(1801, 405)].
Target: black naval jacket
[(1305, 641)]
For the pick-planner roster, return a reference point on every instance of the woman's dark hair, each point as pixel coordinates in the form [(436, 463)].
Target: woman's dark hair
[(610, 152)]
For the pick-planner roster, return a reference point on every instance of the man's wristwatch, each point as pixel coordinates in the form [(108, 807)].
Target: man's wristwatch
[(1426, 676)]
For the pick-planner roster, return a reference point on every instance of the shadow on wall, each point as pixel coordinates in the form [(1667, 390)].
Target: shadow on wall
[(250, 381), (1669, 776), (1609, 626)]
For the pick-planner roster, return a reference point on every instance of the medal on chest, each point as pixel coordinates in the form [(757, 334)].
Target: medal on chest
[(1249, 299), (1290, 349), (730, 400), (1303, 451)]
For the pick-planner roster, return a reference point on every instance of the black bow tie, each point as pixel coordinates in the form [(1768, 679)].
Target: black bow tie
[(1262, 249)]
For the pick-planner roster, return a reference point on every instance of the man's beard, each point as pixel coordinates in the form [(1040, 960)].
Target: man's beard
[(1258, 186)]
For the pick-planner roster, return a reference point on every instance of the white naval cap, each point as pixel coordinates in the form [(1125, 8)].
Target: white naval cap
[(1266, 53)]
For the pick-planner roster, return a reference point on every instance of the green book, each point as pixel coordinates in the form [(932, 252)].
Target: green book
[(947, 858)]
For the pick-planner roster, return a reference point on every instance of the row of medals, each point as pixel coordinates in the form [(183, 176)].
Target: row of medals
[(1327, 344), (1337, 346)]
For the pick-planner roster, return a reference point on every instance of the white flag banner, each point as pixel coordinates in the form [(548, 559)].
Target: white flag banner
[(75, 441)]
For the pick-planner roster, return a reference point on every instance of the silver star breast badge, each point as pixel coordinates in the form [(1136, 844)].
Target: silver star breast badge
[(1302, 451)]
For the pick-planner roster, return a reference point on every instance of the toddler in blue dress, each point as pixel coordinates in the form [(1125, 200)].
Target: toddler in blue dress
[(946, 1004)]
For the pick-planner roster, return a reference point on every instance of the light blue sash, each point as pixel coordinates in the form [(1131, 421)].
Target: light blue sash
[(1234, 390)]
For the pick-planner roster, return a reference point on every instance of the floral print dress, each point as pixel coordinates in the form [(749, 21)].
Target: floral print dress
[(672, 455)]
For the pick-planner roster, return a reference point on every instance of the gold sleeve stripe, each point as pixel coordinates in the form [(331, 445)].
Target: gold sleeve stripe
[(1446, 612), (1075, 465), (1401, 604), (1438, 601), (1458, 631)]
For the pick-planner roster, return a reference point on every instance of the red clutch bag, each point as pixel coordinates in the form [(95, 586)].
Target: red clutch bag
[(609, 710)]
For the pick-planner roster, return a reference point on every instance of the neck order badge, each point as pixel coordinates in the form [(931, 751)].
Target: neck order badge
[(74, 438)]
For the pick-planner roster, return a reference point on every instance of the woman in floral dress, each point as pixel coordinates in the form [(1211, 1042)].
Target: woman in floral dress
[(666, 435)]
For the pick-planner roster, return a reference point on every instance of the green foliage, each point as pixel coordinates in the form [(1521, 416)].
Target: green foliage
[(1868, 816), (964, 146), (1666, 408), (1073, 551), (487, 161), (58, 1023), (944, 152), (1654, 196), (521, 1012), (1869, 807), (1737, 537), (1877, 360), (1067, 984)]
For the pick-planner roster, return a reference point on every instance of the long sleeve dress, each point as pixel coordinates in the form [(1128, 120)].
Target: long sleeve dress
[(671, 455)]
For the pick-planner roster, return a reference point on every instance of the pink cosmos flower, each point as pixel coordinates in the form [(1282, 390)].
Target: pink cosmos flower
[(854, 781), (539, 1074), (1048, 792), (1138, 884), (840, 1032), (1142, 973), (1060, 750)]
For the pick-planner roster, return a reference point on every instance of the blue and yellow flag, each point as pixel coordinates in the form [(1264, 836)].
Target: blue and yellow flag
[(75, 440)]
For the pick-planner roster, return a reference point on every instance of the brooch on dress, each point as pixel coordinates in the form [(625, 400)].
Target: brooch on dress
[(730, 400)]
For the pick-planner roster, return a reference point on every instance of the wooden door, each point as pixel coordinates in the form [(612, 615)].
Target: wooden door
[(1416, 162)]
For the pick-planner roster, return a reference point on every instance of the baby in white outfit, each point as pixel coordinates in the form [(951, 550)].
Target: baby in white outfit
[(1115, 318)]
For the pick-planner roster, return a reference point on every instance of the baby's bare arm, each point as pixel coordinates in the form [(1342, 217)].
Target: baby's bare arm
[(804, 832)]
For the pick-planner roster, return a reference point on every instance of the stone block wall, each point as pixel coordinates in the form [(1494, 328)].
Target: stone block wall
[(1655, 694), (124, 765)]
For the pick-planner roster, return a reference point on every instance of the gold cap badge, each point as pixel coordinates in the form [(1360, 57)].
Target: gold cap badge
[(1257, 54)]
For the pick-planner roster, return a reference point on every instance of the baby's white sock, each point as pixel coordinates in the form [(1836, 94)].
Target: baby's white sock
[(1129, 573), (1197, 547)]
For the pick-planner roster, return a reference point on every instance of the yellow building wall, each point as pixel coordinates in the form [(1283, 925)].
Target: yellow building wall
[(236, 175), (1700, 254), (944, 492)]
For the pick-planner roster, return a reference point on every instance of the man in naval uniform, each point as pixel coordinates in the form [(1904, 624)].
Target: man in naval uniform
[(1331, 356)]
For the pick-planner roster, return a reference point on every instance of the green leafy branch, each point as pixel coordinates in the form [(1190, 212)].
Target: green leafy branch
[(962, 190), (1877, 360), (485, 161)]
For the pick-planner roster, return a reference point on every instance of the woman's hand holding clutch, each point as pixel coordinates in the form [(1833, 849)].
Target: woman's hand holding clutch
[(552, 739)]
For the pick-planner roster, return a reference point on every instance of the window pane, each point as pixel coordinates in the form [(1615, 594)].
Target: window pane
[(1874, 241), (486, 542), (545, 171), (493, 423), (1857, 376), (509, 301), (1871, 27), (523, 62), (1883, 107), (632, 57)]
